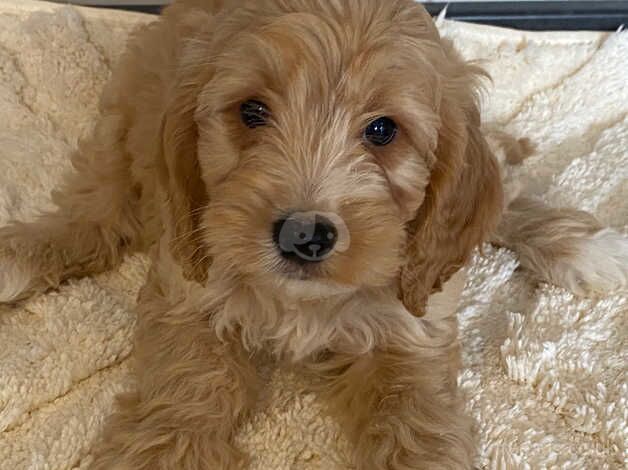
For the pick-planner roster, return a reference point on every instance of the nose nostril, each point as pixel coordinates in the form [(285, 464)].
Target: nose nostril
[(278, 226)]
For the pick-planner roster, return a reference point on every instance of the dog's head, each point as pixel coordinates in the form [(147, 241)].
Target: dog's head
[(334, 142)]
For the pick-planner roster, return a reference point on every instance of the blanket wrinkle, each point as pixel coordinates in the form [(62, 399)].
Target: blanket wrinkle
[(544, 372), (597, 46)]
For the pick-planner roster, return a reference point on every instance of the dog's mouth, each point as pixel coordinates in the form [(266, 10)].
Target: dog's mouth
[(300, 271), (309, 282), (310, 252)]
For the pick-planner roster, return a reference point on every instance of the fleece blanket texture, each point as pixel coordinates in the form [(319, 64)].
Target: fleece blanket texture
[(544, 371)]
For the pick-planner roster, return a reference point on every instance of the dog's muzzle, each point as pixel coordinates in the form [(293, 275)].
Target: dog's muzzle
[(305, 237)]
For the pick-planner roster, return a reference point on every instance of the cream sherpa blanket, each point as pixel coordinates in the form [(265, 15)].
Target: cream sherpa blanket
[(545, 372)]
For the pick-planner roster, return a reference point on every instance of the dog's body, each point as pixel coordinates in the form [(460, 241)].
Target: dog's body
[(175, 168)]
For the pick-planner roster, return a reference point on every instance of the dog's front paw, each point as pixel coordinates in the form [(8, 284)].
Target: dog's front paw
[(597, 264), (29, 263), (16, 276), (180, 451), (148, 435), (406, 443)]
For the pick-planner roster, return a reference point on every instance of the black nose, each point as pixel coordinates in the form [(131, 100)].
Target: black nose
[(305, 238)]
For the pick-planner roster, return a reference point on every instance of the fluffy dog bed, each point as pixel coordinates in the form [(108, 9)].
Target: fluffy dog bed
[(545, 372)]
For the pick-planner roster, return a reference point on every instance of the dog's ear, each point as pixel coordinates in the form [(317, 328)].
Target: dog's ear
[(183, 186), (180, 173), (463, 199)]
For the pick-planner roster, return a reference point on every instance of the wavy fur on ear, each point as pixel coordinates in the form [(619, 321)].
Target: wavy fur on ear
[(177, 162), (463, 201), (180, 176)]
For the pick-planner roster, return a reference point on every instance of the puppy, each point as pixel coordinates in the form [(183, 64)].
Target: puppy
[(309, 178)]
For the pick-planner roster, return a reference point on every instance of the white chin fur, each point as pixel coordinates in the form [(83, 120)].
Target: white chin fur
[(15, 279), (313, 289), (600, 264)]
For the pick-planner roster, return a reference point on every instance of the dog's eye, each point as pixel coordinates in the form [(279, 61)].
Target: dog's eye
[(254, 113), (381, 131)]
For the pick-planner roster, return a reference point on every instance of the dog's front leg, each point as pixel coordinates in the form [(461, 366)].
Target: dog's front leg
[(400, 408), (193, 391)]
